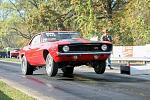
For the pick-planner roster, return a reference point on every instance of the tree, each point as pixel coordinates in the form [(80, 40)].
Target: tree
[(127, 20), (136, 21)]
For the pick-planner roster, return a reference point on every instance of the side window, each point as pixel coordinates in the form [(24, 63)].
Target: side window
[(36, 40)]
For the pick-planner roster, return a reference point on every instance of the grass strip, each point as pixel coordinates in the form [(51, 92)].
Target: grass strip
[(9, 93), (11, 60)]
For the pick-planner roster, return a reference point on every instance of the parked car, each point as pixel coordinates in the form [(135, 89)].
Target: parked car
[(14, 53), (3, 54), (65, 50)]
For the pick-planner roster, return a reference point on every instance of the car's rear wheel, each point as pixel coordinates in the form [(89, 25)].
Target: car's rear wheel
[(27, 69), (68, 71), (100, 67), (51, 66)]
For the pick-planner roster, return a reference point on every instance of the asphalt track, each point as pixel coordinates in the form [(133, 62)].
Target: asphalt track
[(85, 85)]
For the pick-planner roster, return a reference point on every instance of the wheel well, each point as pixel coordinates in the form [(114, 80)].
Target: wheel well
[(21, 55), (45, 53)]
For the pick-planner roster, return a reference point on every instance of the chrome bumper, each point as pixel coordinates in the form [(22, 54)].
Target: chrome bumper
[(83, 53)]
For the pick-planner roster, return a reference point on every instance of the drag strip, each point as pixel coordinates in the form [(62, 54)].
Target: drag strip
[(85, 85)]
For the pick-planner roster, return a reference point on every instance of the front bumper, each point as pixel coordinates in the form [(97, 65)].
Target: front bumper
[(83, 53), (84, 56)]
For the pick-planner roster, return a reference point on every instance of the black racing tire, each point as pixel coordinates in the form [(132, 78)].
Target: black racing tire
[(26, 68), (67, 71), (100, 67), (51, 66)]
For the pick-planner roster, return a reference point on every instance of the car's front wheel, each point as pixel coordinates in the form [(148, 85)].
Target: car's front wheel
[(100, 67), (51, 66), (27, 69)]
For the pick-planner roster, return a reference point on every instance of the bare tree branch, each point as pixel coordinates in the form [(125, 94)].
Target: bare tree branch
[(21, 34), (34, 3), (17, 10)]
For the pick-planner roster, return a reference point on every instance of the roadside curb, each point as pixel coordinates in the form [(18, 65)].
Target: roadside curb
[(9, 62), (28, 91)]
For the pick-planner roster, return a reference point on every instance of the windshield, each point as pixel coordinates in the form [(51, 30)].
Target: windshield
[(53, 36), (16, 49)]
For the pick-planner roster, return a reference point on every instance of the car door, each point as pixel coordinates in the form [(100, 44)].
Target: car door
[(33, 53)]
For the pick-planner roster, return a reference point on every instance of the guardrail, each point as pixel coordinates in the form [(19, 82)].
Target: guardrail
[(131, 59)]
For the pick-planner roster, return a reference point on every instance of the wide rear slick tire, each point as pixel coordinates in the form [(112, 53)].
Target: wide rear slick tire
[(100, 67), (51, 66), (26, 68), (68, 71)]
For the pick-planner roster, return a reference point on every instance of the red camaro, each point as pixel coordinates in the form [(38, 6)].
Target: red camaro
[(65, 50)]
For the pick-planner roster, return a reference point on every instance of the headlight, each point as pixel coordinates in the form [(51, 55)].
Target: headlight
[(104, 47), (66, 48)]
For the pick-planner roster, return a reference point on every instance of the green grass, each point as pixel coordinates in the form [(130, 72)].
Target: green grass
[(9, 93), (11, 59)]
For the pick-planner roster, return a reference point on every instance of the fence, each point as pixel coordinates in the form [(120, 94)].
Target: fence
[(131, 51)]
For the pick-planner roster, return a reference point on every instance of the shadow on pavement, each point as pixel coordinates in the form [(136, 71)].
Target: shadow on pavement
[(107, 77), (92, 76)]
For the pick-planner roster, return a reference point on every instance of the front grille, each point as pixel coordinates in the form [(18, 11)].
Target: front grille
[(85, 47), (94, 47)]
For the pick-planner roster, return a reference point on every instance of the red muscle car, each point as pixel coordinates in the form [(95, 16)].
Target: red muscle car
[(14, 53), (65, 50)]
